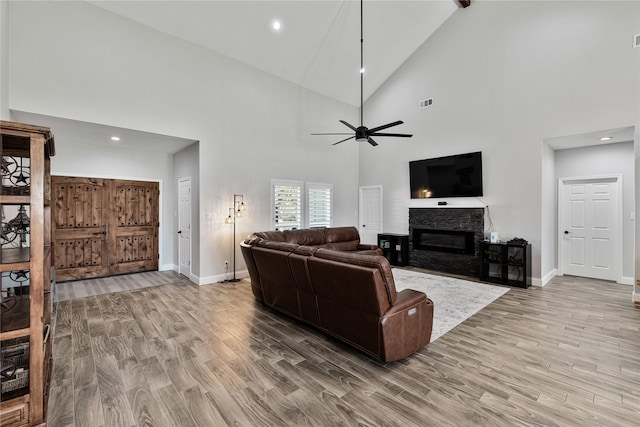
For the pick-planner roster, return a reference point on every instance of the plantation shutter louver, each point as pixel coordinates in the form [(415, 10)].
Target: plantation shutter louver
[(287, 205), (319, 205)]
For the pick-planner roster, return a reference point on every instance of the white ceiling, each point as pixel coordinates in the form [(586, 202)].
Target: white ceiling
[(318, 46), (92, 133), (624, 134)]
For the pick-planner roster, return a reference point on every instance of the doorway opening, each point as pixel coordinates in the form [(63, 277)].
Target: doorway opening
[(581, 165)]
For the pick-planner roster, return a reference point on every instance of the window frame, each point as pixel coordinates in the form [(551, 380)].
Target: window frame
[(287, 183), (310, 186), (304, 188)]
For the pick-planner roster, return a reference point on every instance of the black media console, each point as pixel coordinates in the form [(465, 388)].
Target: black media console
[(506, 263), (395, 248)]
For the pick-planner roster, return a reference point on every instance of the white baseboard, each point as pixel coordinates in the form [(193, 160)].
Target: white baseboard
[(545, 279), (209, 280), (167, 267), (192, 277), (550, 275), (636, 296), (626, 281)]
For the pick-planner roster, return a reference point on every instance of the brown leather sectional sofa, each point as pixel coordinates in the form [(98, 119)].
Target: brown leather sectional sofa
[(326, 278)]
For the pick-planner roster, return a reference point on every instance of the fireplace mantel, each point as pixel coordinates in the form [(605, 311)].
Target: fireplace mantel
[(462, 203)]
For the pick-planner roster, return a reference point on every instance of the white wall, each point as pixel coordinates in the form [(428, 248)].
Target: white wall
[(4, 61), (636, 290), (606, 159), (185, 165), (102, 68), (504, 76), (548, 242), (101, 161)]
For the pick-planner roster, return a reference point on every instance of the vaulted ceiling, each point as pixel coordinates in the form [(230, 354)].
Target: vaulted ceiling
[(318, 44)]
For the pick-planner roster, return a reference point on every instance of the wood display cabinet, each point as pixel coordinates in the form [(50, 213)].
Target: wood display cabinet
[(395, 248), (506, 263), (26, 272)]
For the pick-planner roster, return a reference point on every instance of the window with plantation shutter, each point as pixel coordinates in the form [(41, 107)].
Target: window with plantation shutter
[(287, 205), (319, 205)]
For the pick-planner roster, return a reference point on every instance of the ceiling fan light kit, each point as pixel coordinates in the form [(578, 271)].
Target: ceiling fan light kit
[(362, 133)]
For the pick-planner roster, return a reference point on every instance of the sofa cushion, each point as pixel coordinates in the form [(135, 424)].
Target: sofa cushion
[(279, 289), (371, 261), (351, 245), (341, 234), (306, 250), (338, 238), (278, 246), (308, 237), (274, 236)]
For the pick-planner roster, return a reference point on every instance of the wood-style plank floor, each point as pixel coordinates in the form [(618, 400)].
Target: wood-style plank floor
[(567, 354)]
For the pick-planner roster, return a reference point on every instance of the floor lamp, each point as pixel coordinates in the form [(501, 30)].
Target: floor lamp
[(235, 212)]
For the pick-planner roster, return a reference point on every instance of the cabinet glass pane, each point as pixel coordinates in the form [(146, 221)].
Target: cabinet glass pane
[(14, 233), (14, 300), (493, 254), (15, 173), (14, 367), (516, 256)]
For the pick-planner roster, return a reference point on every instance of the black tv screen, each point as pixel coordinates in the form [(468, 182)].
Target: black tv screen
[(450, 176)]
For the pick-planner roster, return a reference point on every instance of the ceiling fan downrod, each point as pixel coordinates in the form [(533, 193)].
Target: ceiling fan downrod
[(362, 133)]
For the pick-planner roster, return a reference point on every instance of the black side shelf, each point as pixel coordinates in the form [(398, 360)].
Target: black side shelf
[(506, 263), (395, 248)]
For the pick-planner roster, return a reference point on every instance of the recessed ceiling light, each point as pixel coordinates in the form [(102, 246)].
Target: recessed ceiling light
[(276, 25), (115, 138), (605, 138)]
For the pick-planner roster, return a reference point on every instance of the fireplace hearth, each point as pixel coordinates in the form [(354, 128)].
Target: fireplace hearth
[(446, 239)]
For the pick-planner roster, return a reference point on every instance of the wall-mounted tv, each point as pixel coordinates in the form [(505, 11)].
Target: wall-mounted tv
[(450, 176)]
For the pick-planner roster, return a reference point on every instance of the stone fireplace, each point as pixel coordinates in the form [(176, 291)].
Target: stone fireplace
[(446, 239)]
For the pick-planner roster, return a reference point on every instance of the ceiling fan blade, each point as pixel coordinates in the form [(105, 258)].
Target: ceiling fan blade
[(348, 125), (346, 139), (334, 133), (400, 135), (388, 125), (372, 142)]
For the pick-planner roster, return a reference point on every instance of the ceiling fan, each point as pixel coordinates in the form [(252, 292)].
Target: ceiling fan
[(362, 133)]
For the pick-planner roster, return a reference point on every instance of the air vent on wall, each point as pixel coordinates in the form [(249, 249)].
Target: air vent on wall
[(426, 102), (636, 40)]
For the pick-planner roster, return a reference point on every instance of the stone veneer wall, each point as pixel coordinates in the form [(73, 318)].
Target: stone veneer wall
[(453, 219)]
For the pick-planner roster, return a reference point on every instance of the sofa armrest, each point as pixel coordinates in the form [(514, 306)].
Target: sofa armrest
[(406, 326), (373, 248), (407, 299)]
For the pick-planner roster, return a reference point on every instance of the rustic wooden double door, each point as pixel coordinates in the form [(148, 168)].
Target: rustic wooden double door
[(103, 227)]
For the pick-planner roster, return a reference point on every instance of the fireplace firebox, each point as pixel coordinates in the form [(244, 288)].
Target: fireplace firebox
[(452, 241)]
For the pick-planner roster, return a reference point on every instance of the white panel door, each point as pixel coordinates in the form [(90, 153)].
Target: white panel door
[(370, 213), (184, 226), (589, 227)]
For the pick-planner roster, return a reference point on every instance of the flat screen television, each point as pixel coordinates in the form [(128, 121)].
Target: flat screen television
[(450, 176)]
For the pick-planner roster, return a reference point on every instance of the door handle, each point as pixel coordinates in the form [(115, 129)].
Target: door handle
[(566, 232), (364, 225), (180, 232)]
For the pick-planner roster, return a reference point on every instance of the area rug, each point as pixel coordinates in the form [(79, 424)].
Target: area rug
[(454, 300)]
